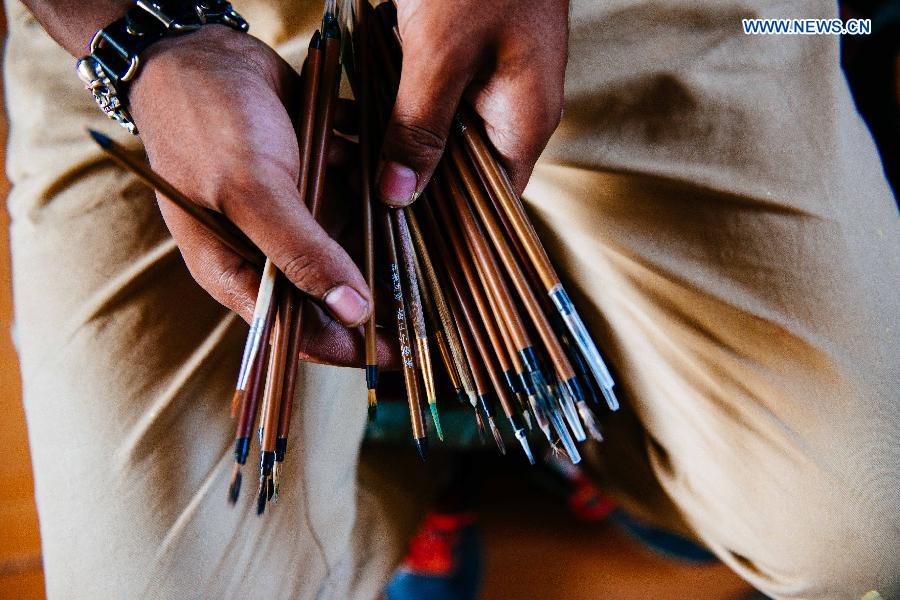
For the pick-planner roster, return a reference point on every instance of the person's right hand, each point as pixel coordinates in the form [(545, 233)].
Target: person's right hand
[(211, 110)]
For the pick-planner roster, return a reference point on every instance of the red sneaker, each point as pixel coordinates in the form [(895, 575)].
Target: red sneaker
[(432, 548)]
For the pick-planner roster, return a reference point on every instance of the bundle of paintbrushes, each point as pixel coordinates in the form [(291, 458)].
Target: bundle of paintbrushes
[(468, 276)]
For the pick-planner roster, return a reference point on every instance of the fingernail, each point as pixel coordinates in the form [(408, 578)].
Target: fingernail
[(347, 305), (397, 183)]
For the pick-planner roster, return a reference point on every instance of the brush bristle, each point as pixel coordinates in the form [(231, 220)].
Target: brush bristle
[(590, 420), (527, 416), (437, 421), (276, 481), (261, 496), (101, 139), (234, 489), (542, 421), (480, 423), (610, 397), (523, 440), (497, 437)]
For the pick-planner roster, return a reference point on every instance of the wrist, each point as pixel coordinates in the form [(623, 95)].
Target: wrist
[(211, 52), (72, 23), (118, 50)]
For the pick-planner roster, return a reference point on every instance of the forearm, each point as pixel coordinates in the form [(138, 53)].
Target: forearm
[(72, 23)]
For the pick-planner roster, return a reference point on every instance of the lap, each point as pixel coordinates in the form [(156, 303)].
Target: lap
[(736, 254), (128, 367), (734, 262)]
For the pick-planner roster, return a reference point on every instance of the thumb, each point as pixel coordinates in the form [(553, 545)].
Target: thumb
[(269, 211), (414, 139)]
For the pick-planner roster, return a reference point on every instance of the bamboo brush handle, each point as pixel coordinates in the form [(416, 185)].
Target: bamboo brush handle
[(554, 349), (496, 178), (479, 249), (406, 351)]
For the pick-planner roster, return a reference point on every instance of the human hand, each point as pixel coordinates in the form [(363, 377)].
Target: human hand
[(506, 57), (211, 108)]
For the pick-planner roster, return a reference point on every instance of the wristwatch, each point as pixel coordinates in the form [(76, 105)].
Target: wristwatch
[(113, 62)]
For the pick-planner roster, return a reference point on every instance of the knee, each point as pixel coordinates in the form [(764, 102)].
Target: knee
[(822, 551)]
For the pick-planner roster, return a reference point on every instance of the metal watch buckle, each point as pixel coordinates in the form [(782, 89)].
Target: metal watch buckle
[(170, 24), (110, 63), (102, 39), (219, 11)]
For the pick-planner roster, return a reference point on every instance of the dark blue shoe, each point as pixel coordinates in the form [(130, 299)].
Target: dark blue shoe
[(663, 541), (444, 561)]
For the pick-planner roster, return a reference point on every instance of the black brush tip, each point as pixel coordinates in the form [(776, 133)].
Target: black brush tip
[(234, 490), (101, 139), (422, 447), (261, 498)]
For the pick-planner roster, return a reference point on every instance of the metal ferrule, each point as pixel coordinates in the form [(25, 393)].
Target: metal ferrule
[(266, 462), (523, 440), (566, 397), (526, 384), (561, 300), (487, 404), (241, 450), (585, 381), (515, 421), (330, 26), (585, 343), (251, 356), (574, 388), (565, 437), (245, 357), (280, 449), (529, 359), (552, 410), (540, 416), (371, 377), (511, 380), (590, 421)]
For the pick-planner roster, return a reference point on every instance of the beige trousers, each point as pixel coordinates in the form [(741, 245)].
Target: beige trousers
[(714, 200)]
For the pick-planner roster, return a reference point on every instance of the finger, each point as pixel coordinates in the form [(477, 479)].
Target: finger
[(327, 342), (432, 81), (520, 112), (266, 205), (229, 279), (234, 283), (521, 101)]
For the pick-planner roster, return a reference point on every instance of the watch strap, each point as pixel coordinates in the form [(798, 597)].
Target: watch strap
[(114, 59)]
